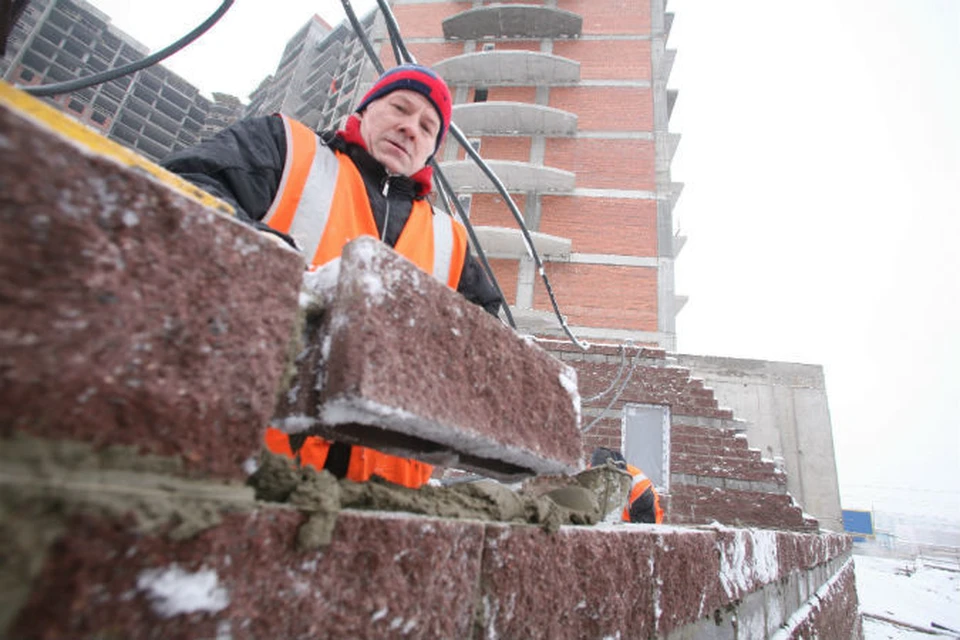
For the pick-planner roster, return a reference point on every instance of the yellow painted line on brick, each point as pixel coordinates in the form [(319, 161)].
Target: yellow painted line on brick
[(93, 142)]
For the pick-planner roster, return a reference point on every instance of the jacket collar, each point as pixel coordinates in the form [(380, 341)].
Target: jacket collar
[(350, 134)]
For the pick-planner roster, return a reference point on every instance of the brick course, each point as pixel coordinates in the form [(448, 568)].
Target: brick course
[(578, 218), (604, 164), (606, 108)]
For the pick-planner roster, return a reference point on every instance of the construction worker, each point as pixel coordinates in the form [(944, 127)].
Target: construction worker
[(318, 192), (643, 503)]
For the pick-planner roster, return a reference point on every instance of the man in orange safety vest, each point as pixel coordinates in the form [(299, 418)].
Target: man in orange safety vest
[(317, 192)]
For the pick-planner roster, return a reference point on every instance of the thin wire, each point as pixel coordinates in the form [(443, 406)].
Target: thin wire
[(453, 203), (395, 36), (623, 365), (623, 386), (77, 84)]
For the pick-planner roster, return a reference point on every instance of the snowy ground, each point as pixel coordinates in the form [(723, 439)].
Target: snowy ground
[(914, 593)]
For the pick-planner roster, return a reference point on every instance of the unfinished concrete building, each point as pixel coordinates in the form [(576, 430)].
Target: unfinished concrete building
[(153, 111)]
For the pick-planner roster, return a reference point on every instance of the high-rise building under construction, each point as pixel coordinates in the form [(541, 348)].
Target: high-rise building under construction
[(568, 102)]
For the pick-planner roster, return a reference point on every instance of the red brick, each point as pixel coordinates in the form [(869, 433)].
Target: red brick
[(576, 218), (425, 20), (583, 292), (606, 108), (608, 59), (490, 209), (610, 18), (604, 164)]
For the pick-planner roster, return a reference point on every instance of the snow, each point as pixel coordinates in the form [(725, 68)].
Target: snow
[(173, 591), (930, 593), (568, 380)]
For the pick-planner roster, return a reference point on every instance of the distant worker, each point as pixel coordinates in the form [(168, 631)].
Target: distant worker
[(319, 192), (643, 503)]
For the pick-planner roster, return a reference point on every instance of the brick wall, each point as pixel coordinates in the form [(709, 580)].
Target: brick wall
[(714, 475)]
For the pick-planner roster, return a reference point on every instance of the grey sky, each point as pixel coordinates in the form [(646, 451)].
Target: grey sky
[(821, 158)]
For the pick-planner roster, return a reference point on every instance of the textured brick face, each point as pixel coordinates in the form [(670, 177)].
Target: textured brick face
[(132, 315), (632, 224), (414, 367), (584, 292), (379, 577), (605, 164)]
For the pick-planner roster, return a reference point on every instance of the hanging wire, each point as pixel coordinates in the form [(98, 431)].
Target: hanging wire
[(616, 379), (77, 84), (446, 191), (623, 386), (395, 38)]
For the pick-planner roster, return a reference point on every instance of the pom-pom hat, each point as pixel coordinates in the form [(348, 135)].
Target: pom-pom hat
[(414, 77)]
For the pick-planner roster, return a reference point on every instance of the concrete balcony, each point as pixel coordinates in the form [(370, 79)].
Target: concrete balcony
[(518, 177), (512, 21), (507, 243), (509, 68), (513, 118)]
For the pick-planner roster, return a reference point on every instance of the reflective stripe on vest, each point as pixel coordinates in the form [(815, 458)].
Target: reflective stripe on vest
[(322, 203)]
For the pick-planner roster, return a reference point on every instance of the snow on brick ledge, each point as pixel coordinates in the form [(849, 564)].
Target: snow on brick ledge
[(406, 365), (130, 314)]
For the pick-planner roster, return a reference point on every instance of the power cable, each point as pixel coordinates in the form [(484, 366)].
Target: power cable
[(446, 191), (616, 379), (623, 386), (395, 37), (77, 84)]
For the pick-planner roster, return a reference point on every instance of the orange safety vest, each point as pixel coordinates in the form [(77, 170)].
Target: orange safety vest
[(322, 203), (640, 484)]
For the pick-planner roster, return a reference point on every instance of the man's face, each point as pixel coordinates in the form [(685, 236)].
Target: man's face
[(400, 130)]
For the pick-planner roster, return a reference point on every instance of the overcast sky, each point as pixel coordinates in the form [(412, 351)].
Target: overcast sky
[(822, 202)]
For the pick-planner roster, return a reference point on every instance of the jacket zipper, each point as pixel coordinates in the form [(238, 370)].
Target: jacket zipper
[(386, 216)]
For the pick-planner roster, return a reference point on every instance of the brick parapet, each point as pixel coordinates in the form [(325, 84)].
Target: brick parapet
[(395, 574)]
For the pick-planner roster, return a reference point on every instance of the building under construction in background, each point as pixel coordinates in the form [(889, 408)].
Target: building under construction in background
[(153, 111)]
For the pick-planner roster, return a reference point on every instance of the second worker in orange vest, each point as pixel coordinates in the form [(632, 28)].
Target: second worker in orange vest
[(643, 503), (318, 192)]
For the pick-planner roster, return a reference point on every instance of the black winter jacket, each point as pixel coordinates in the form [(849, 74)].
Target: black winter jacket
[(242, 165)]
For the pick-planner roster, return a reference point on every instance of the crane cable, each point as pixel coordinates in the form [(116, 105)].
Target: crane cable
[(69, 86)]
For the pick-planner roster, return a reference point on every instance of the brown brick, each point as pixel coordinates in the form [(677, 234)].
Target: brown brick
[(131, 314), (382, 576), (416, 369), (577, 583)]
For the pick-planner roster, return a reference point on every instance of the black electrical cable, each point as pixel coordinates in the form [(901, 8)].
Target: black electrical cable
[(446, 190), (77, 84), (394, 30)]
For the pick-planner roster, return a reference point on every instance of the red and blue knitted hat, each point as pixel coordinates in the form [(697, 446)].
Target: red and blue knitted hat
[(415, 77)]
